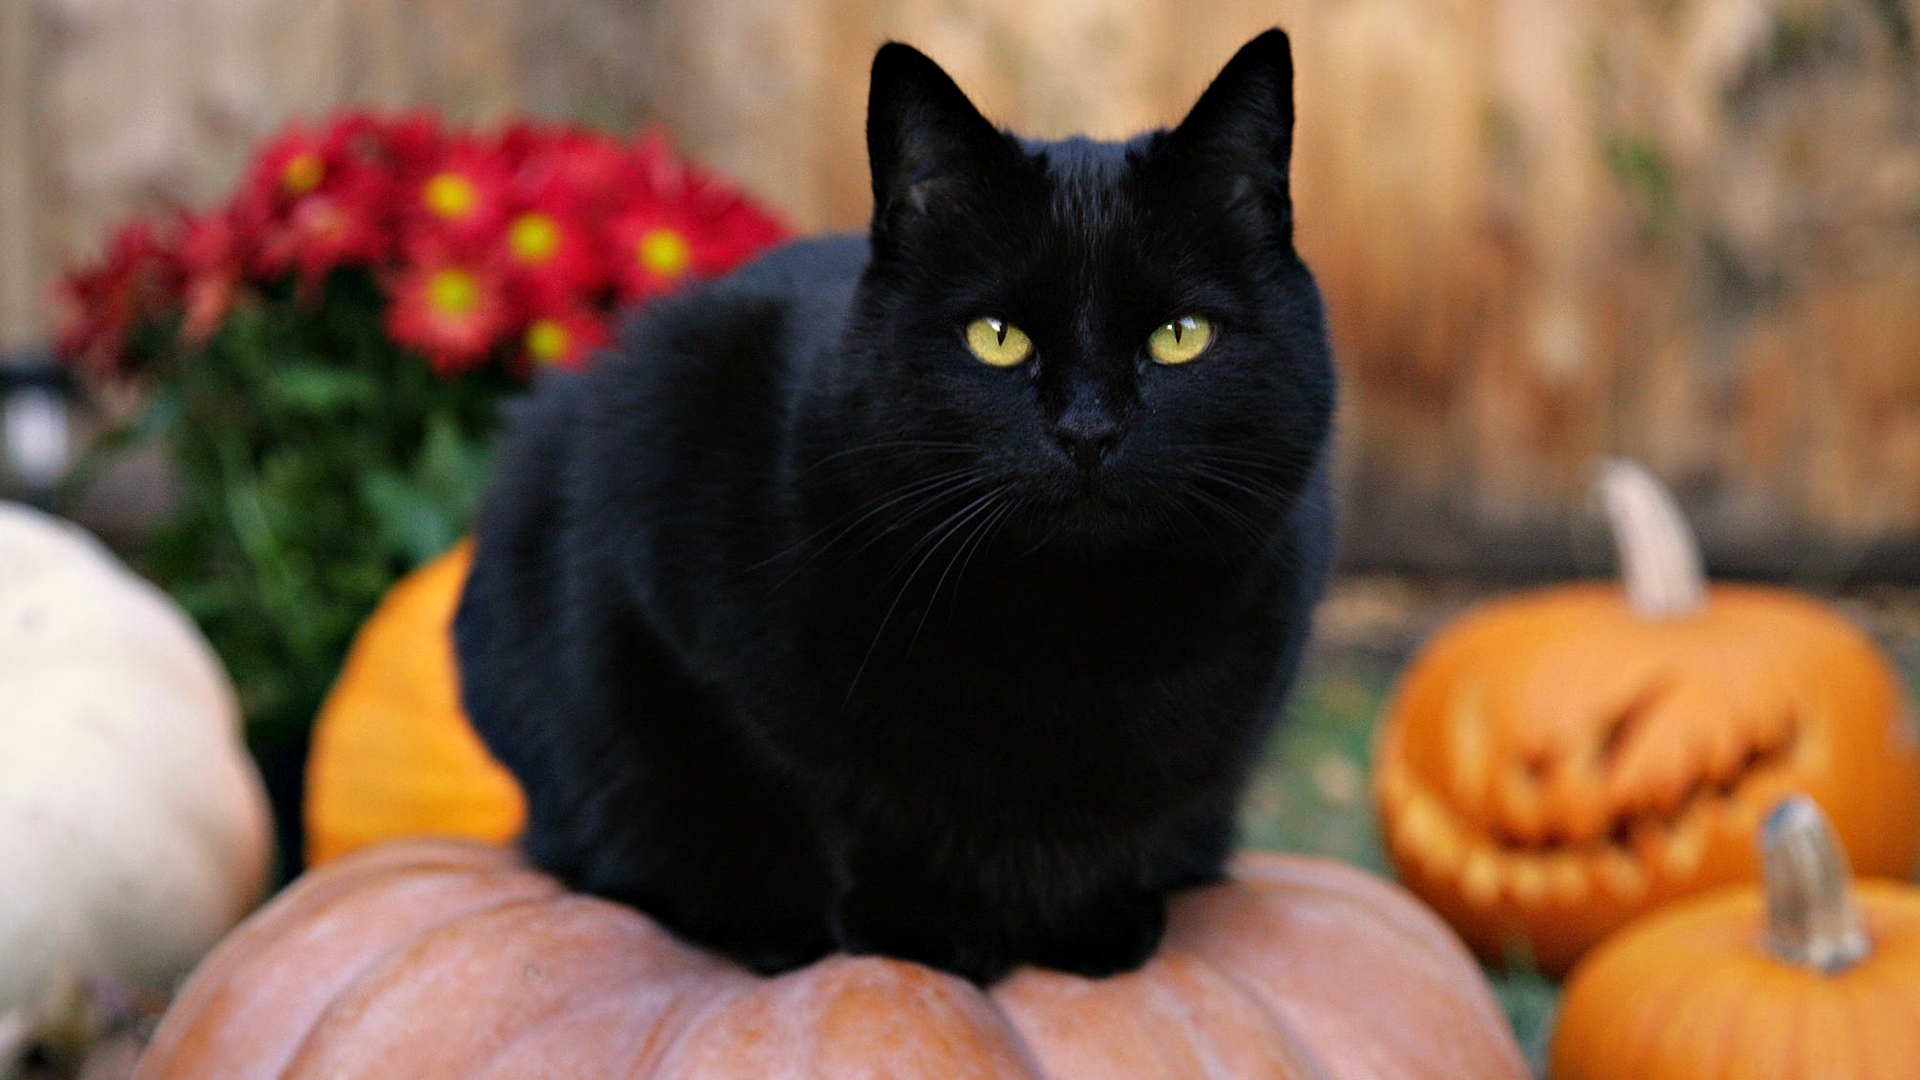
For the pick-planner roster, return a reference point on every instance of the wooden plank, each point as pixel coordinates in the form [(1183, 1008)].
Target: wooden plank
[(23, 315)]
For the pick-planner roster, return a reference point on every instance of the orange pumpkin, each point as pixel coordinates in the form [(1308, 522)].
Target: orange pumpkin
[(1554, 764), (393, 754), (1814, 977), (447, 959)]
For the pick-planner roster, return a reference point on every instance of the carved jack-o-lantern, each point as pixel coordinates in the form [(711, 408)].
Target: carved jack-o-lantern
[(1558, 762)]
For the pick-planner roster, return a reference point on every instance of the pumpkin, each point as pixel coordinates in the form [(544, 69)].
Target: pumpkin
[(393, 754), (439, 958), (134, 829), (1812, 976), (1556, 763)]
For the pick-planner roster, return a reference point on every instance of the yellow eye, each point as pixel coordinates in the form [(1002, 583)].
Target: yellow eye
[(998, 343), (1180, 340)]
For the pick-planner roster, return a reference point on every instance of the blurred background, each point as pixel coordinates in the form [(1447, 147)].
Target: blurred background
[(1681, 231), (1686, 231)]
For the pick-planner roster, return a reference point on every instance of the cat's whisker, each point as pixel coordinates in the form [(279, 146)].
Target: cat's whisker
[(889, 445), (1201, 530), (860, 515), (1224, 511), (936, 536), (964, 555), (908, 517)]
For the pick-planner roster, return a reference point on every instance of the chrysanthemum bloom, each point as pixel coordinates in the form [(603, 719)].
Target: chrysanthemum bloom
[(552, 251), (460, 201), (564, 338), (595, 174), (453, 311), (291, 166), (213, 264), (340, 223), (680, 223), (139, 280)]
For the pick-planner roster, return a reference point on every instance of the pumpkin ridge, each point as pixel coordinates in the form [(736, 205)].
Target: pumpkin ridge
[(303, 899), (696, 984), (1164, 999), (396, 953), (254, 947), (806, 1011), (684, 1018), (1260, 1004), (1016, 1038), (1388, 914), (697, 1016), (1386, 902)]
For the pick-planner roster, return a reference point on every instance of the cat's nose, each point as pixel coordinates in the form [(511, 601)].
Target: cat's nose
[(1086, 439)]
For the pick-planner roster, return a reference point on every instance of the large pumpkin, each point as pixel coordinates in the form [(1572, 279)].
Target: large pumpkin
[(393, 754), (1813, 976), (133, 826), (1557, 763), (434, 958)]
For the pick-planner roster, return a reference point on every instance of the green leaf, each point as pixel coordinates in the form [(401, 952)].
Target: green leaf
[(313, 388)]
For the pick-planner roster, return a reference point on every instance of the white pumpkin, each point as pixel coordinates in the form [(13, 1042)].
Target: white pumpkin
[(133, 826)]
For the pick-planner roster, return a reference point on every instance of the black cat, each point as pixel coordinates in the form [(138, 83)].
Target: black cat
[(929, 593)]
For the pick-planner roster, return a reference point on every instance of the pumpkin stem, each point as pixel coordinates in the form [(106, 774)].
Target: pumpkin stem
[(1811, 917), (1659, 560)]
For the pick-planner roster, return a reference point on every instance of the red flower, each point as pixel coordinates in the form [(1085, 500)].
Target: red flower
[(681, 223), (450, 309), (138, 281), (337, 225), (214, 266), (551, 256), (564, 338), (593, 174), (315, 202), (515, 245), (291, 166), (460, 199)]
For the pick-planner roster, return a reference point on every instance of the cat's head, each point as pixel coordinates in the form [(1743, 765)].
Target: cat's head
[(1114, 342)]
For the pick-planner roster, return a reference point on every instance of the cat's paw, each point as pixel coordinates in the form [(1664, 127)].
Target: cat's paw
[(1117, 936), (881, 922), (774, 959)]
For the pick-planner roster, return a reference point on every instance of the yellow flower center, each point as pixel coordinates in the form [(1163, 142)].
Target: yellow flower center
[(534, 238), (452, 291), (451, 195), (665, 252), (302, 173), (547, 341)]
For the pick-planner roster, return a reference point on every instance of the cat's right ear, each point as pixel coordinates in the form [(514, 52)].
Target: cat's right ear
[(925, 140)]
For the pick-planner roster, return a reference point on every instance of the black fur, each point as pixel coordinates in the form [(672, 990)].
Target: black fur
[(805, 630)]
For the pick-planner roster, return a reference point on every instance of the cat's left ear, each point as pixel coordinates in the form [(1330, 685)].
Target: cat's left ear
[(1241, 129), (924, 138)]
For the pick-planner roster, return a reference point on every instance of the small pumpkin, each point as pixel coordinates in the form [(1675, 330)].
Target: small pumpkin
[(444, 958), (134, 829), (1813, 976), (1556, 763), (393, 754)]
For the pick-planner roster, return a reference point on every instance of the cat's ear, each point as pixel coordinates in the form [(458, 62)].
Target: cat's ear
[(924, 138), (1241, 129)]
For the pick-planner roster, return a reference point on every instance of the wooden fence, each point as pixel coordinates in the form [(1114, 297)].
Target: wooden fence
[(1686, 232)]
